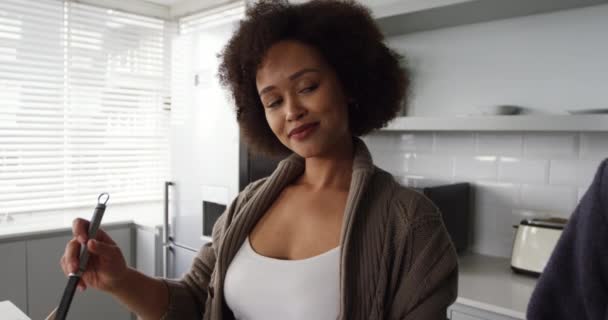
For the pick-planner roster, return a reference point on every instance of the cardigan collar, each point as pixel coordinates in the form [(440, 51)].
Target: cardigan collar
[(286, 172)]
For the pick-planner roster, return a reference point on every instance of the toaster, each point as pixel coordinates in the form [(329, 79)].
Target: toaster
[(534, 243)]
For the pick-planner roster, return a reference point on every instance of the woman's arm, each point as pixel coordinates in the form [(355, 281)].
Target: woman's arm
[(147, 297), (428, 280), (107, 271)]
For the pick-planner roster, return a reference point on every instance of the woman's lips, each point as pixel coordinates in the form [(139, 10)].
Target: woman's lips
[(305, 131)]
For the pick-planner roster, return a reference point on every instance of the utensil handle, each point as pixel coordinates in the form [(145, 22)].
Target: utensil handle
[(93, 227)]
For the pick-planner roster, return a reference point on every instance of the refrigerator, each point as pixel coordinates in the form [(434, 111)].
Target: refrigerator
[(209, 164), (203, 140)]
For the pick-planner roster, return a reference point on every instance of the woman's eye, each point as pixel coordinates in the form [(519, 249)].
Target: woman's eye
[(274, 103), (308, 89)]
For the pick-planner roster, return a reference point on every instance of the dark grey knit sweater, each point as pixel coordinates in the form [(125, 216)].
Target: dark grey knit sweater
[(574, 284)]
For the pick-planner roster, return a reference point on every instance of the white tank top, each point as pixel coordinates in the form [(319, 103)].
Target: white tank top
[(257, 287)]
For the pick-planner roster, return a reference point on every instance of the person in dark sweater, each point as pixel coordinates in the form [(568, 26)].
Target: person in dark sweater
[(574, 284)]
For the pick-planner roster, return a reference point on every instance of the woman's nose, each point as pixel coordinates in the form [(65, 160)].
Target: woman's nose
[(295, 110)]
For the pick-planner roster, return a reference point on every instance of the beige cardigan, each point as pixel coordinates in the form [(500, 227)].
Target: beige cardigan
[(396, 261)]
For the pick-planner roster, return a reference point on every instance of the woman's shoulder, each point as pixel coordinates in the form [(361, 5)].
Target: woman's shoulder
[(252, 188), (246, 194)]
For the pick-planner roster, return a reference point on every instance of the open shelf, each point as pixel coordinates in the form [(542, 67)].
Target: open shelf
[(584, 123), (403, 17)]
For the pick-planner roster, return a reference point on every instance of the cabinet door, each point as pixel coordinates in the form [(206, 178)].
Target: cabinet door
[(12, 274), (148, 252), (46, 280), (463, 316), (459, 311)]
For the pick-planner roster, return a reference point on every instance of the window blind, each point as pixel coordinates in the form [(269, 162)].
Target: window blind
[(229, 13), (83, 106)]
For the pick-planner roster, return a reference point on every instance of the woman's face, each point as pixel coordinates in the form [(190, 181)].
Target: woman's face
[(303, 99)]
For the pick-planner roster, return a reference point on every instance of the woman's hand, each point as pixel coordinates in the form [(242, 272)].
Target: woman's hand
[(106, 267)]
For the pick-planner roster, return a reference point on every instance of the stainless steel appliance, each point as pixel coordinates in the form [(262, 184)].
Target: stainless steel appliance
[(204, 141)]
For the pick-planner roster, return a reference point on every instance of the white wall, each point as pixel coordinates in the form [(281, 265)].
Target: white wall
[(548, 63)]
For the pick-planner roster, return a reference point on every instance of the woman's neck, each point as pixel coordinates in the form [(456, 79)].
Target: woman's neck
[(331, 171)]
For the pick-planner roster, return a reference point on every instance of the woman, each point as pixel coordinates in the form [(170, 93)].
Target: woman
[(328, 235)]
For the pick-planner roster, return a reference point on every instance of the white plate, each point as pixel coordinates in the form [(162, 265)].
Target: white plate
[(589, 111)]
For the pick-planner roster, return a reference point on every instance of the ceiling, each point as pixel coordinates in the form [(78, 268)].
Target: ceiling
[(166, 2)]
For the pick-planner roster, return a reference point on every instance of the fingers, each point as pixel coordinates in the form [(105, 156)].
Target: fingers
[(81, 285), (101, 249), (80, 229), (102, 236), (69, 261)]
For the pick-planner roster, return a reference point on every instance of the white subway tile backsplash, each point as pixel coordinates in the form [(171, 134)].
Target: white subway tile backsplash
[(548, 145), (594, 145), (500, 144), (581, 193), (476, 168), (455, 143), (393, 162), (483, 237), (514, 175), (573, 172), (505, 233), (419, 182), (430, 166), (522, 170), (380, 142), (496, 194), (556, 200), (420, 142), (493, 230)]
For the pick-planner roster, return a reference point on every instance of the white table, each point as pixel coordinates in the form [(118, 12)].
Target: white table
[(10, 312)]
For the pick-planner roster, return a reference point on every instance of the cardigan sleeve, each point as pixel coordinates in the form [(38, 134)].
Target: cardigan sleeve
[(188, 295), (428, 281)]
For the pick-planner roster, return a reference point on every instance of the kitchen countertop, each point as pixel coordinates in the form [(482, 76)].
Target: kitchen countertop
[(488, 283), (24, 226)]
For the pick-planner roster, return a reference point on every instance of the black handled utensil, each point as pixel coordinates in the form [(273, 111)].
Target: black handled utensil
[(74, 278)]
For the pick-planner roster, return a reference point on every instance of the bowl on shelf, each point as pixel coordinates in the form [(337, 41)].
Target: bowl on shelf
[(501, 110)]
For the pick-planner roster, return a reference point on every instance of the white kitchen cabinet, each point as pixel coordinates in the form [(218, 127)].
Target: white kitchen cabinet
[(148, 250), (46, 281), (460, 311), (463, 316), (12, 274)]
